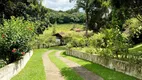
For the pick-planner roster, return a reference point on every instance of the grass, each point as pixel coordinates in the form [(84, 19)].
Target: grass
[(62, 28), (105, 73), (67, 72), (57, 48), (34, 70), (136, 49), (66, 27)]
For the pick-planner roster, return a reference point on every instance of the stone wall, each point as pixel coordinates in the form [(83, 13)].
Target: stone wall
[(118, 65), (7, 72)]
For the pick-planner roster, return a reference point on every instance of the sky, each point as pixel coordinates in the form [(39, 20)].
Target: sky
[(58, 4)]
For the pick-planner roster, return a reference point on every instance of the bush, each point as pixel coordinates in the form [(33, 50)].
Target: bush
[(16, 35), (133, 30), (67, 39), (78, 40), (115, 41), (109, 42), (51, 41), (2, 63), (91, 50), (97, 40), (45, 41)]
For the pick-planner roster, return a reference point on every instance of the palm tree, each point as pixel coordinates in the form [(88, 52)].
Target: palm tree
[(86, 6)]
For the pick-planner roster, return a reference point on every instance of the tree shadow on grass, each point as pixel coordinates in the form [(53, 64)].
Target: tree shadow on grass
[(70, 74), (105, 73)]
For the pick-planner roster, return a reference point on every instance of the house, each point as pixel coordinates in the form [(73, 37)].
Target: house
[(59, 37)]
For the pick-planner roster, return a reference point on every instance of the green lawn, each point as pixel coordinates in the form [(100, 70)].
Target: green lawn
[(34, 70), (105, 73), (136, 49), (67, 72)]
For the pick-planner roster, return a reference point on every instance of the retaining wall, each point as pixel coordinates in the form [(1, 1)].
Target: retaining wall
[(7, 72), (118, 65)]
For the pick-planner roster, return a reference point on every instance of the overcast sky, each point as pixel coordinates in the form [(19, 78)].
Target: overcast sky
[(58, 4)]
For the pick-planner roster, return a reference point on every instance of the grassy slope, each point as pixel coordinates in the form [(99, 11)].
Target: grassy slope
[(136, 49), (61, 28), (67, 72), (34, 69), (105, 73)]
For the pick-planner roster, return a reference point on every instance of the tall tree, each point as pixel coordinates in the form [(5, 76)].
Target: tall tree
[(124, 9), (98, 15), (94, 10), (85, 5)]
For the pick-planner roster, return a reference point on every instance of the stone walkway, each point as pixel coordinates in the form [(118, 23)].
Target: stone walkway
[(53, 73)]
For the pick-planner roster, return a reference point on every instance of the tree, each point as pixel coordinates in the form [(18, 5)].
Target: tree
[(98, 15), (85, 4), (94, 10), (125, 9), (72, 11)]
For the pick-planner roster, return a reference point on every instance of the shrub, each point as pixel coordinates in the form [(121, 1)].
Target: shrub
[(67, 39), (109, 42), (91, 50), (133, 30), (15, 37), (44, 41), (97, 40), (51, 41), (99, 51), (78, 42), (115, 41), (2, 63), (69, 46)]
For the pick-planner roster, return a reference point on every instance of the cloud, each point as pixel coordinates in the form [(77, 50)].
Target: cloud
[(58, 4)]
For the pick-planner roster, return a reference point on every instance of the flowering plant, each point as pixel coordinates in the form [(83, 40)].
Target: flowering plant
[(15, 37)]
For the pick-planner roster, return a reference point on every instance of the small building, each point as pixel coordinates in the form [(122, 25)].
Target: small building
[(59, 37), (78, 30)]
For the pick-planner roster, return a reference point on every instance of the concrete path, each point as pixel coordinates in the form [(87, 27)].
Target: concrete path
[(52, 72), (83, 72)]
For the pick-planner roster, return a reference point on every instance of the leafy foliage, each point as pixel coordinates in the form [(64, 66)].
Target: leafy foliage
[(15, 38), (97, 40), (29, 10), (115, 41), (133, 29), (94, 10), (65, 17), (109, 42), (78, 42), (123, 10)]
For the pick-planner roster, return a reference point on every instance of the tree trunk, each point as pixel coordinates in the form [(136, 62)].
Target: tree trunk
[(87, 17), (87, 20)]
